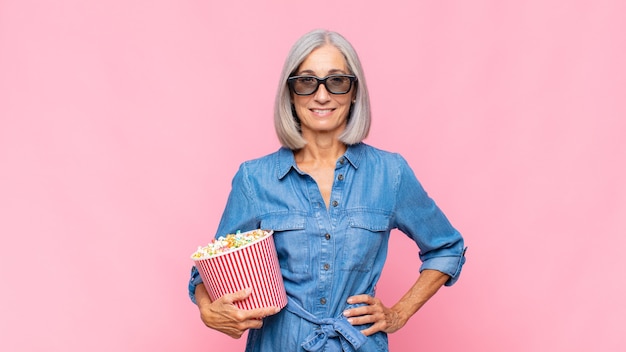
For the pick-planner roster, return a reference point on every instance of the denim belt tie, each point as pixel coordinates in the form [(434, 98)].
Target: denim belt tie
[(333, 334)]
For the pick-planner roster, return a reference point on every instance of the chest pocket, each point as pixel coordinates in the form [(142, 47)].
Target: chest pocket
[(366, 239), (291, 242)]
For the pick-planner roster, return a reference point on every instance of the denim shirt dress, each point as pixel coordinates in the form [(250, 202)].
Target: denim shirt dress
[(329, 254)]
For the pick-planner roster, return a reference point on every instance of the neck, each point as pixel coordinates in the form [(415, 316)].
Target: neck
[(321, 148)]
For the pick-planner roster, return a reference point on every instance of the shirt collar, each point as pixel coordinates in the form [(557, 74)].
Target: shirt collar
[(354, 154), (286, 160)]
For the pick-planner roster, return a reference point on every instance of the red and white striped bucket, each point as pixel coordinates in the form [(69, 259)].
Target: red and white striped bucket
[(254, 265)]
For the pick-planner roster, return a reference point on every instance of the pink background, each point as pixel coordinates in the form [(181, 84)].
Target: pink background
[(122, 123)]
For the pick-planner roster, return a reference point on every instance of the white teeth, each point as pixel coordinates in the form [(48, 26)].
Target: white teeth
[(319, 111)]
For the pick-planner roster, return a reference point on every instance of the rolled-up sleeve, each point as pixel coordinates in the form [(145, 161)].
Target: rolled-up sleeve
[(450, 265), (442, 247), (194, 281)]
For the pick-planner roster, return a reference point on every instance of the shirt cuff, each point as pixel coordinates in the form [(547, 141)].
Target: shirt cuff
[(450, 266), (194, 281)]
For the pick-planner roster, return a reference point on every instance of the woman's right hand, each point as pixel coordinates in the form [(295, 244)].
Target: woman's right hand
[(222, 315)]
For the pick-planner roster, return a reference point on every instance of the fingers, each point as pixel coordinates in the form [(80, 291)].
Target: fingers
[(367, 299), (364, 315), (224, 316), (237, 296), (243, 320), (263, 312), (377, 321), (372, 305), (372, 312), (372, 329), (258, 313)]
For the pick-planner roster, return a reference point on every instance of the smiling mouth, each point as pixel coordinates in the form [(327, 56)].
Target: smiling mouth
[(322, 111)]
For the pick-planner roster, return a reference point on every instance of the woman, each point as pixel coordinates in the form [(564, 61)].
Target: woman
[(332, 202)]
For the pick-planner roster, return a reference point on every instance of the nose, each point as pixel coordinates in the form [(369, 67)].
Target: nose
[(322, 95)]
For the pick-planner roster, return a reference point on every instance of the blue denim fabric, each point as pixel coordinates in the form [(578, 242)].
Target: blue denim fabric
[(328, 255)]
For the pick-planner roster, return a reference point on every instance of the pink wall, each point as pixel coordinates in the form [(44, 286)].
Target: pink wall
[(122, 123)]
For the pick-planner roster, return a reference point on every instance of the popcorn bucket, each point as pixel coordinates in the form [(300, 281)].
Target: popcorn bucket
[(253, 265)]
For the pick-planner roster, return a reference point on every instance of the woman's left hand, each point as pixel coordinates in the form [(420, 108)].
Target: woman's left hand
[(373, 312)]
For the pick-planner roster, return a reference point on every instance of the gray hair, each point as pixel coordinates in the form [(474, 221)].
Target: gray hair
[(286, 124)]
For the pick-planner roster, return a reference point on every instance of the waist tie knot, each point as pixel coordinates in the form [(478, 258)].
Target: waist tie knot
[(333, 334)]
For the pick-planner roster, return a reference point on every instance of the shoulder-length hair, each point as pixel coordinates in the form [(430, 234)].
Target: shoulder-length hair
[(287, 124)]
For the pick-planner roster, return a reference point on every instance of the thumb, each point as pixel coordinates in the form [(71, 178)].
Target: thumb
[(241, 295)]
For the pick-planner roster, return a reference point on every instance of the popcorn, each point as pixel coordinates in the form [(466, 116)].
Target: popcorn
[(224, 244)]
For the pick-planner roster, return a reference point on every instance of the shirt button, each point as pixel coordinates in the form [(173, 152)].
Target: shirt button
[(340, 177), (323, 301), (327, 236), (326, 266), (335, 203), (342, 160)]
